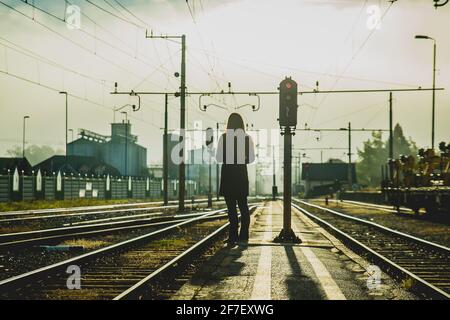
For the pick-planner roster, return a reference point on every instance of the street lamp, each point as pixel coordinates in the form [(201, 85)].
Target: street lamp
[(23, 136), (434, 86), (126, 142)]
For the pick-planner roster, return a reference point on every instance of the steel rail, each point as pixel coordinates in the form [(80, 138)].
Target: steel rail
[(23, 242), (38, 240), (75, 209), (87, 208), (373, 205), (36, 235), (86, 213)]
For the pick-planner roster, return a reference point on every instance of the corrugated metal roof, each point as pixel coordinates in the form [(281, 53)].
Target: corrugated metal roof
[(11, 164), (327, 171)]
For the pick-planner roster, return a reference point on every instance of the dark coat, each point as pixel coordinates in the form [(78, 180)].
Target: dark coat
[(234, 176)]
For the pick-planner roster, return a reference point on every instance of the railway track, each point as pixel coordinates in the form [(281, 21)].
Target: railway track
[(79, 216), (19, 239), (86, 208), (74, 211), (123, 270), (93, 226), (375, 206), (421, 264)]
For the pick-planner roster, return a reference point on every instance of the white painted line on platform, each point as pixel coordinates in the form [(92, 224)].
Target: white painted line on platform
[(330, 287), (332, 290), (262, 288)]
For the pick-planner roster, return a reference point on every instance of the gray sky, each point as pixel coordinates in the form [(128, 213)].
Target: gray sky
[(252, 44)]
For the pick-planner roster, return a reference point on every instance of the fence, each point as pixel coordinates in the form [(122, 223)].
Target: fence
[(16, 186)]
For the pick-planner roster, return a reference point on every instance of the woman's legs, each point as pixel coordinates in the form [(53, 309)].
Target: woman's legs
[(245, 218), (233, 217)]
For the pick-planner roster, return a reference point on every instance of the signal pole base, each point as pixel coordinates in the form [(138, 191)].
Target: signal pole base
[(287, 236)]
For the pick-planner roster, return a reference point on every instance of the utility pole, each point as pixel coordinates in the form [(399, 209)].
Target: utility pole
[(182, 124), (165, 151), (434, 96), (350, 182), (182, 95), (391, 137)]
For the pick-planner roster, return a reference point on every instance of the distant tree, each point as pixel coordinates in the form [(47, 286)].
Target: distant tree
[(403, 146), (332, 160), (375, 153), (34, 153)]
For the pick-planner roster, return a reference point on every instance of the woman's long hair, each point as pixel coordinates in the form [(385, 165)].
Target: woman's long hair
[(235, 122)]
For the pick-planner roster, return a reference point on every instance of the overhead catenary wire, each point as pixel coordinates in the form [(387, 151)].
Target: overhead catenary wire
[(70, 95), (114, 8), (363, 44), (354, 55), (43, 25), (34, 55), (94, 36), (72, 41), (168, 75), (113, 14)]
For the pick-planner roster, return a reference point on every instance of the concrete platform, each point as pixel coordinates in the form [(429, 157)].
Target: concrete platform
[(319, 268)]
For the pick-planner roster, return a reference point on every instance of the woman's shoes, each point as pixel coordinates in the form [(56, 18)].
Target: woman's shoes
[(243, 242), (230, 243)]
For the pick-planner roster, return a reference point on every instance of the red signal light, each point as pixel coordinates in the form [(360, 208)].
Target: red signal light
[(288, 85)]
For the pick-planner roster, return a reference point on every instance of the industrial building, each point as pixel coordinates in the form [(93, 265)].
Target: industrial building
[(120, 150)]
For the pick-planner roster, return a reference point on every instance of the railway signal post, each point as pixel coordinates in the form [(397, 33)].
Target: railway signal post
[(288, 121)]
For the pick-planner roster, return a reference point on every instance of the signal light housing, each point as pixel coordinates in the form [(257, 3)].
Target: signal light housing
[(288, 103)]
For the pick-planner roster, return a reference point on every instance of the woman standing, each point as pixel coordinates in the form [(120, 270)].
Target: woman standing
[(235, 150)]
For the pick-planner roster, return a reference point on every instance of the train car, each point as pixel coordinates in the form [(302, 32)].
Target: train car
[(422, 184)]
